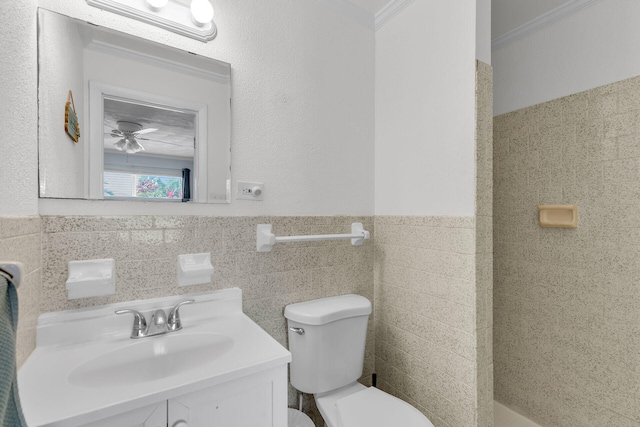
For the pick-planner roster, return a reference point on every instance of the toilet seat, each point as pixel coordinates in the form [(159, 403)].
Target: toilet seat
[(375, 408), (358, 406)]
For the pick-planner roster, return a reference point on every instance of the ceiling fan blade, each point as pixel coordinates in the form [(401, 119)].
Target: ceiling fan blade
[(143, 131), (161, 142)]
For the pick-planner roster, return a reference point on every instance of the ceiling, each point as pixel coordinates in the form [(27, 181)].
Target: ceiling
[(506, 15), (175, 129), (371, 6)]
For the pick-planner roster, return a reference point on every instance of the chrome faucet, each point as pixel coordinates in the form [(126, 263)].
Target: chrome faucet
[(160, 322)]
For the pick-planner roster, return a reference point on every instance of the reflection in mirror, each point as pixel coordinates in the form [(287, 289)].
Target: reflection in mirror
[(148, 150), (154, 121)]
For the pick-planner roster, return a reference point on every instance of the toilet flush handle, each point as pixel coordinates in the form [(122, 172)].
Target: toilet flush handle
[(298, 331)]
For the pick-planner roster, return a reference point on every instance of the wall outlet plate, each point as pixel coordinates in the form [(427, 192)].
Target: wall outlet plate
[(250, 191)]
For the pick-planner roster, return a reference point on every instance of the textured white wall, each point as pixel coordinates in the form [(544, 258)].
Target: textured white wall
[(425, 103), (18, 115), (508, 15), (594, 47), (302, 109)]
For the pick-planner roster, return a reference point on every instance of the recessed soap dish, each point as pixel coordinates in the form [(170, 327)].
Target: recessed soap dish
[(91, 278), (558, 216), (194, 269)]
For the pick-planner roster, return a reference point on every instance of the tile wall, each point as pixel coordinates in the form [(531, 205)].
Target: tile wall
[(433, 284), (426, 314), (146, 248), (566, 301), (20, 241), (484, 244)]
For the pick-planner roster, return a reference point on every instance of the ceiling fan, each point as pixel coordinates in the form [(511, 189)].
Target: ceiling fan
[(128, 133)]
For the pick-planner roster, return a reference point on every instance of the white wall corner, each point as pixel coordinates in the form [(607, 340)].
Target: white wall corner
[(389, 11), (483, 31), (351, 11), (542, 21)]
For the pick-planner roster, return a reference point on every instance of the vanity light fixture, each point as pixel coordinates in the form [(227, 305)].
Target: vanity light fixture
[(201, 12), (192, 19), (156, 5)]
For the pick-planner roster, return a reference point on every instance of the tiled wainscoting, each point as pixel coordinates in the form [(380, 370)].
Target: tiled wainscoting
[(426, 314), (484, 244), (20, 241), (146, 250), (567, 323)]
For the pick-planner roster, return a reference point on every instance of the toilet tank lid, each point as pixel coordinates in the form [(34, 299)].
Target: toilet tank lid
[(325, 310)]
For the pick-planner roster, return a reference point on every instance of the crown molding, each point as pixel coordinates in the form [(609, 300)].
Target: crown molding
[(542, 21), (389, 11), (351, 11), (175, 64)]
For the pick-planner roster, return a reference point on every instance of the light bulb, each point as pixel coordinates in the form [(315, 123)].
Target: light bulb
[(134, 146), (201, 12), (156, 5), (120, 144)]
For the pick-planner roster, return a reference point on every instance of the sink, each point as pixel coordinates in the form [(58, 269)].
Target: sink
[(150, 359), (86, 369)]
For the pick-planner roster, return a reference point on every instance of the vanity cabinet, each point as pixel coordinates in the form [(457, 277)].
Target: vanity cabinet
[(258, 400), (220, 370), (148, 416)]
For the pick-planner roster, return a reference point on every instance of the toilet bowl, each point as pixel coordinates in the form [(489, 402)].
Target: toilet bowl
[(327, 341), (296, 418), (358, 406)]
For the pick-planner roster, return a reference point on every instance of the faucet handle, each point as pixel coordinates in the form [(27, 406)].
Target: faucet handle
[(173, 322), (139, 322)]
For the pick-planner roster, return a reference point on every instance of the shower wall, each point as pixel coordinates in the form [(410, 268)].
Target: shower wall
[(567, 323)]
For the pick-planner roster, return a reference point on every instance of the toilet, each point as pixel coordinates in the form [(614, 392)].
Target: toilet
[(296, 418), (327, 339)]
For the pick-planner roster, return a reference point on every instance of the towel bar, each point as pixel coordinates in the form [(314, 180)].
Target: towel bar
[(12, 271), (265, 239)]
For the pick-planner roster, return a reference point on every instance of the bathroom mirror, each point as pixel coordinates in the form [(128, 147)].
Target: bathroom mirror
[(154, 121)]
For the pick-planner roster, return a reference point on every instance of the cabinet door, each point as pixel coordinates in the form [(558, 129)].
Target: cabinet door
[(247, 407), (255, 401), (149, 416)]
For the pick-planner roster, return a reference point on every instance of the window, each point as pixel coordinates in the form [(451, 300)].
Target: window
[(127, 185)]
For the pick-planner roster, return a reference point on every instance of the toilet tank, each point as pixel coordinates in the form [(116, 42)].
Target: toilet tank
[(330, 353)]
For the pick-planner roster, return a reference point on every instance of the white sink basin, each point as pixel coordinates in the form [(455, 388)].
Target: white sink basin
[(150, 359), (86, 367)]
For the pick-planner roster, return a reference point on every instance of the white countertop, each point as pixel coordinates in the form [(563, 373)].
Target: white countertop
[(68, 339)]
